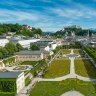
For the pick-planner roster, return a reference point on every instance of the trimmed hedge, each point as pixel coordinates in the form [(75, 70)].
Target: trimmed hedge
[(8, 85), (7, 94), (29, 63), (91, 52)]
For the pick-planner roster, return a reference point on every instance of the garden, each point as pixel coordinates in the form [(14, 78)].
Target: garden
[(58, 68), (85, 68), (76, 51), (63, 52), (21, 68), (56, 88), (33, 63), (66, 51)]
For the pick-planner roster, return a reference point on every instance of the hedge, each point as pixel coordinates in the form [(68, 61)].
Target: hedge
[(7, 94), (91, 52), (29, 63), (8, 85)]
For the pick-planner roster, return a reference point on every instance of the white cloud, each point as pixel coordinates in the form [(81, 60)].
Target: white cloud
[(9, 15), (78, 11)]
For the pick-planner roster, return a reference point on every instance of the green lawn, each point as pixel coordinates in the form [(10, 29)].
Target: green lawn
[(76, 51), (65, 51), (85, 68), (58, 68), (29, 63), (56, 88), (27, 81)]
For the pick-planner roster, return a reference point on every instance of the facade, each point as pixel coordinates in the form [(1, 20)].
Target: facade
[(18, 76), (29, 56), (47, 53)]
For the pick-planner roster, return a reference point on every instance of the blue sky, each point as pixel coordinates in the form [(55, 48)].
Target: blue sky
[(50, 15)]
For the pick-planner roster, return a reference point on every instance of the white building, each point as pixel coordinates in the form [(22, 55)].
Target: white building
[(3, 42), (26, 43)]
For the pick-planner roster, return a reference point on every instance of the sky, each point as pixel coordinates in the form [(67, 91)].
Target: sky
[(49, 15)]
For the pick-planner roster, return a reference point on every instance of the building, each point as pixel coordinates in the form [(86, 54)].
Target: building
[(3, 42), (26, 27), (10, 34), (45, 44), (47, 53), (71, 27), (92, 44), (29, 55), (17, 79), (26, 43)]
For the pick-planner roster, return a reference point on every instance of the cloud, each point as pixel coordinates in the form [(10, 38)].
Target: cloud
[(10, 15), (78, 12), (48, 15)]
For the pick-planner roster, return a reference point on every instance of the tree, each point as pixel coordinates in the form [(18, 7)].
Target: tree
[(1, 55), (11, 48), (34, 47), (26, 32), (37, 31), (19, 47), (4, 52)]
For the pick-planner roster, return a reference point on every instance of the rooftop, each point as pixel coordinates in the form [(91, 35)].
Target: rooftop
[(26, 52), (9, 74)]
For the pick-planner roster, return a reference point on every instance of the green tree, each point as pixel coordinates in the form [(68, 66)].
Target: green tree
[(34, 47), (1, 55), (26, 32), (11, 48), (4, 52), (19, 47), (37, 31)]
